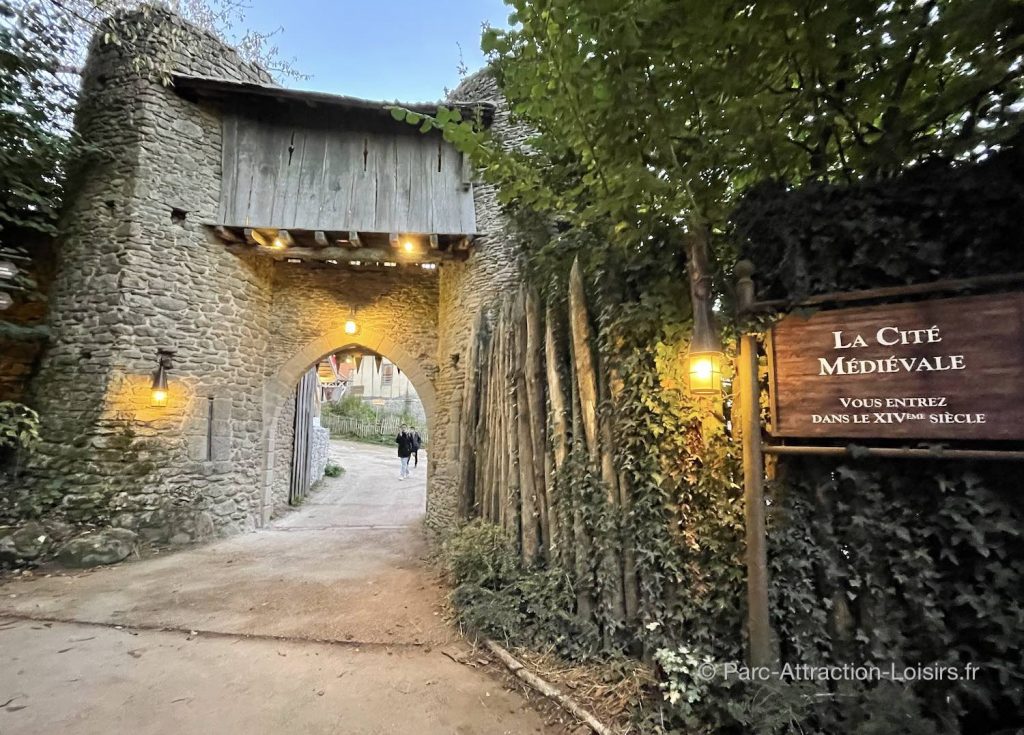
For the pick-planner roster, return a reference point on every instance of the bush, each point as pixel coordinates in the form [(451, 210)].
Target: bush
[(351, 406), (494, 597), (481, 554), (19, 426), (333, 470)]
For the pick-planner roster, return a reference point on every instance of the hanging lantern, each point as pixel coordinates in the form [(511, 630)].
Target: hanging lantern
[(351, 326), (704, 365), (704, 359), (158, 389)]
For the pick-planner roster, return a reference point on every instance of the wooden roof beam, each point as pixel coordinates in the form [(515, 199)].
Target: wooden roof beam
[(344, 254)]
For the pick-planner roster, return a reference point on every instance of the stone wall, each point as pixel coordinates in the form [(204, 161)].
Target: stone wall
[(140, 272), (281, 458), (320, 448), (137, 273)]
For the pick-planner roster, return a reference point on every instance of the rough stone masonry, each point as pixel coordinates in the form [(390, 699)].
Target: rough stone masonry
[(139, 272)]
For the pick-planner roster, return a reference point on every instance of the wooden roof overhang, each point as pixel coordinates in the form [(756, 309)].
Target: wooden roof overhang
[(362, 250), (332, 180), (225, 90)]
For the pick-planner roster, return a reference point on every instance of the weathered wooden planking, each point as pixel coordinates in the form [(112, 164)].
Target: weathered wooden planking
[(330, 175), (940, 369), (229, 170)]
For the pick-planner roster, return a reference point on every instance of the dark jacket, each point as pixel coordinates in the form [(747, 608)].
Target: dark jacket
[(417, 441), (406, 444)]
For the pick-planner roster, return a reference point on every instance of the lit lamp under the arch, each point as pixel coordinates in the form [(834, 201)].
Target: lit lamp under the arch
[(158, 388), (351, 326)]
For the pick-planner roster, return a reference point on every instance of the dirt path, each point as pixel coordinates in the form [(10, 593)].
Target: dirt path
[(329, 621)]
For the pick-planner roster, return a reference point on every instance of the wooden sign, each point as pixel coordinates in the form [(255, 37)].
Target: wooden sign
[(941, 369)]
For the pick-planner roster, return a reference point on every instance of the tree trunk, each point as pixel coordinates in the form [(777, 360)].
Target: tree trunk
[(485, 437), (583, 358), (511, 503)]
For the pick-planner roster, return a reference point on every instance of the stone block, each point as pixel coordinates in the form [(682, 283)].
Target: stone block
[(108, 546)]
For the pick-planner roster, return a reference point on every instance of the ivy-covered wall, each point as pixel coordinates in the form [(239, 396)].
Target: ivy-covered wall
[(935, 222), (906, 561)]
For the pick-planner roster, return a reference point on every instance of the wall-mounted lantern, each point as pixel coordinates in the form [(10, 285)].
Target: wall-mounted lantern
[(704, 358), (351, 326), (158, 388)]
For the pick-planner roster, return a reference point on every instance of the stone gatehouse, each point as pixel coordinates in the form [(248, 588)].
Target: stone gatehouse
[(240, 226)]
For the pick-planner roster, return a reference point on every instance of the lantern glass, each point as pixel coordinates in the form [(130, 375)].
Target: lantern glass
[(705, 371), (351, 327), (158, 390)]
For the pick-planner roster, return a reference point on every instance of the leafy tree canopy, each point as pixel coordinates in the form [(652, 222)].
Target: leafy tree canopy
[(650, 114), (36, 102)]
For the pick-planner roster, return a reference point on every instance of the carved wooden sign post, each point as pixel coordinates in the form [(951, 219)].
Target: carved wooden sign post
[(939, 369)]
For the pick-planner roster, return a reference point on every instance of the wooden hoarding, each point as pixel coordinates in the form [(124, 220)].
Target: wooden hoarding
[(943, 369)]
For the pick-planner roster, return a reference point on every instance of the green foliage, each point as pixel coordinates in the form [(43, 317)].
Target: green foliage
[(483, 555), (19, 426), (350, 406), (702, 704), (911, 563), (935, 222), (686, 685), (650, 116), (333, 470), (493, 596), (872, 562), (36, 101)]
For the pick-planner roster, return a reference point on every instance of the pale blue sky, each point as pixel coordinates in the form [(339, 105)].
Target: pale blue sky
[(379, 49)]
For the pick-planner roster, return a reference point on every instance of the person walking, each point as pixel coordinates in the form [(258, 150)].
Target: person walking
[(405, 443), (417, 444)]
